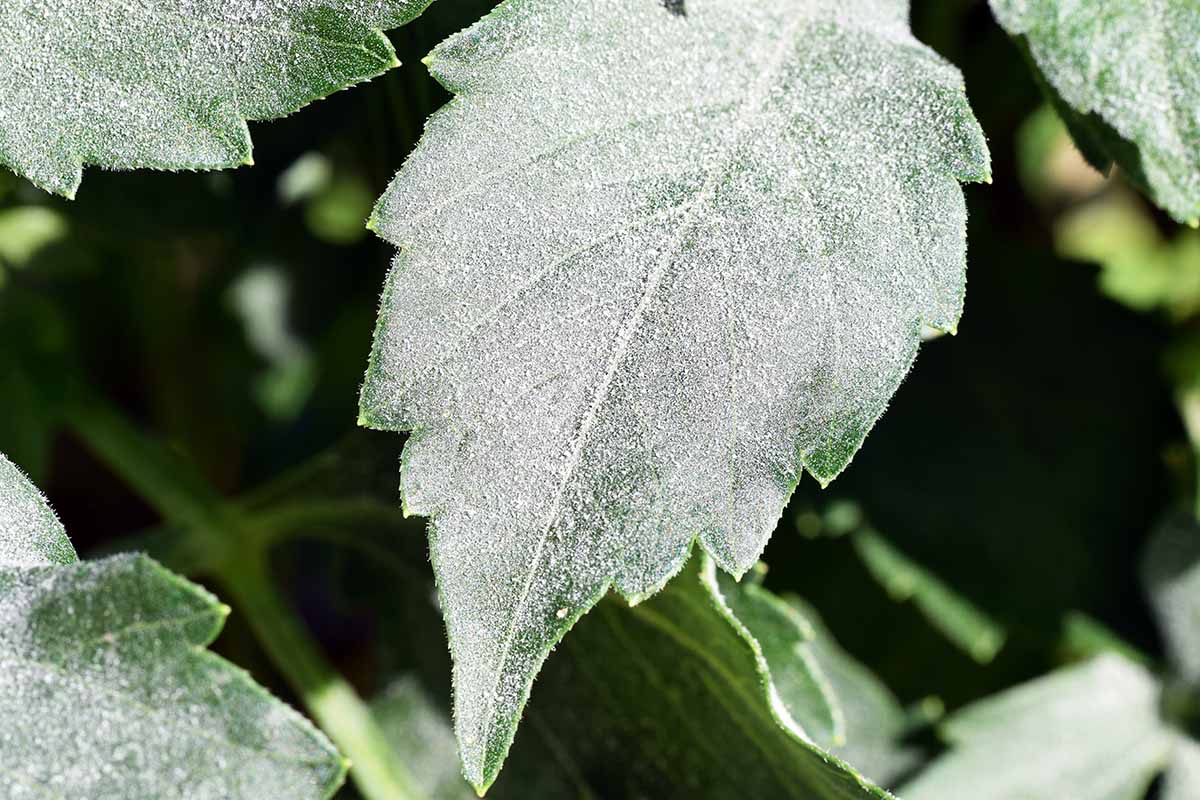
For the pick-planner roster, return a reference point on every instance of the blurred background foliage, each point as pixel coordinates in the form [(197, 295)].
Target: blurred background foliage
[(1008, 492)]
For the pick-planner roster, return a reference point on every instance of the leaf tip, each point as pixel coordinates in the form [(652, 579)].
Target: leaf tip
[(223, 611), (1194, 222)]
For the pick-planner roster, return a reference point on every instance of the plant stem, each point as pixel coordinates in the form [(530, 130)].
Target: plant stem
[(377, 773), (240, 563)]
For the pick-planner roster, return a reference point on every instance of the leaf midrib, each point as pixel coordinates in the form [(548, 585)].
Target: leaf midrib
[(756, 101)]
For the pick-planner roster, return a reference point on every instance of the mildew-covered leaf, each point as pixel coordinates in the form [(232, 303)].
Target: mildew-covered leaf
[(169, 84), (30, 533), (1089, 732), (652, 265), (106, 690), (1125, 77)]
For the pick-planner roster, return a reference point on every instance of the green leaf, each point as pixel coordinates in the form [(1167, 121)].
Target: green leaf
[(170, 85), (106, 690), (1089, 732), (1182, 778), (957, 618), (652, 266), (1171, 575), (874, 720), (1123, 75), (676, 690), (785, 638)]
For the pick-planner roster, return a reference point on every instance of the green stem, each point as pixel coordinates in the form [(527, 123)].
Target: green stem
[(339, 711), (239, 562), (161, 477)]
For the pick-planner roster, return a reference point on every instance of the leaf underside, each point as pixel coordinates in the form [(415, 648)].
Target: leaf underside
[(1124, 76), (170, 84), (106, 689), (651, 266), (680, 691)]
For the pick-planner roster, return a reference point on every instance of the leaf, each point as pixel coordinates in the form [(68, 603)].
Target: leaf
[(420, 733), (170, 85), (1089, 732), (954, 615), (652, 265), (874, 720), (1182, 778), (1123, 75), (106, 690), (785, 638), (679, 693), (30, 533), (1171, 575)]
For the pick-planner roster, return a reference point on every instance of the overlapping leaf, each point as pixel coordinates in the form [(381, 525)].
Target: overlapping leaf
[(687, 695), (170, 84), (1124, 76), (652, 265), (106, 691)]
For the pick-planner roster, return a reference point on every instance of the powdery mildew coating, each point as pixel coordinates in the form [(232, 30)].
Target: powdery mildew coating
[(1134, 63), (168, 84), (651, 265), (106, 690), (30, 533)]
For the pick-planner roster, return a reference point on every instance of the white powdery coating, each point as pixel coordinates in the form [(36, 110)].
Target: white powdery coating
[(650, 265), (169, 83), (1090, 732), (106, 692), (30, 533), (1136, 63)]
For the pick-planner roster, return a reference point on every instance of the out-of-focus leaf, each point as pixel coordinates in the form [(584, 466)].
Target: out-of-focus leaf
[(1085, 637), (261, 297), (1138, 266), (26, 229), (874, 719), (421, 734), (1182, 778), (956, 617), (1050, 164), (338, 213), (1171, 574), (1127, 73), (308, 175), (170, 85), (1088, 732), (106, 689)]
